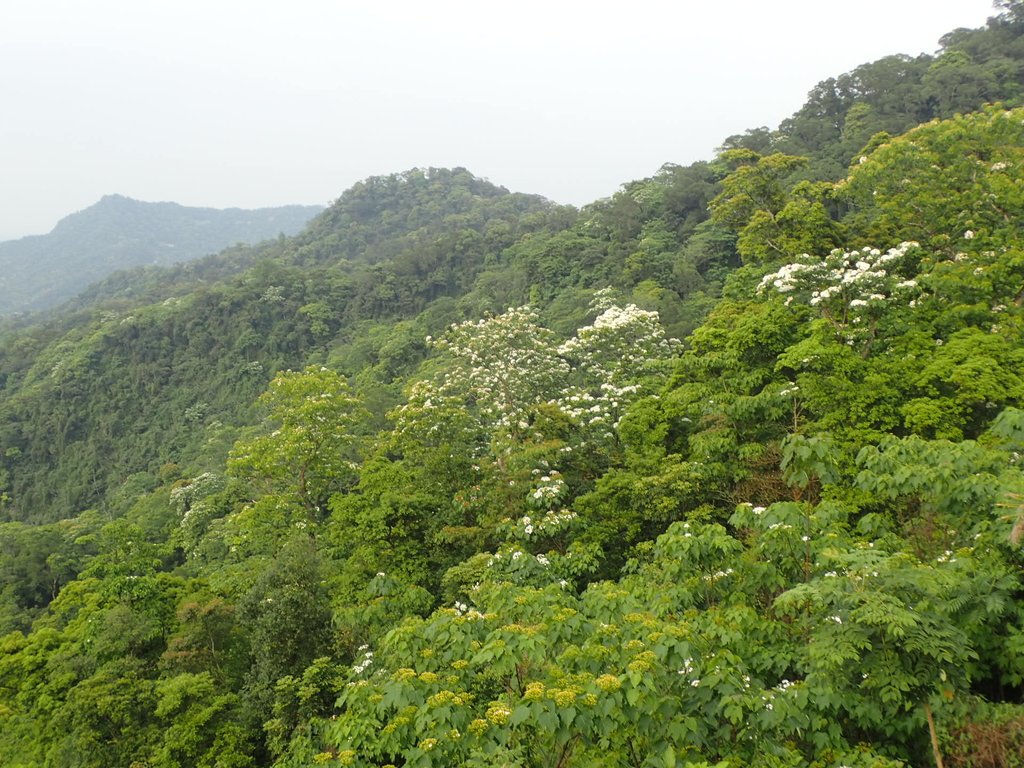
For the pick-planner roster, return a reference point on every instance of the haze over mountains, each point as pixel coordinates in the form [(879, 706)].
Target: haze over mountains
[(117, 233)]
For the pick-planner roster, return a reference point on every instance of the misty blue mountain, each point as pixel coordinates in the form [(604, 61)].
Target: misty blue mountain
[(118, 233)]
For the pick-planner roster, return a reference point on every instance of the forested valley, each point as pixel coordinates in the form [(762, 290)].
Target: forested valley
[(723, 470)]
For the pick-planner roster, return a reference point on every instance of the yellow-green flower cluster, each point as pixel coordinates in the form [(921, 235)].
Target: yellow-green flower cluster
[(499, 713), (608, 683), (643, 662), (534, 692), (401, 720), (563, 697), (443, 698)]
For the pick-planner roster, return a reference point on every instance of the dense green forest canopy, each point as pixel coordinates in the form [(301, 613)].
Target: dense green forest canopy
[(722, 470)]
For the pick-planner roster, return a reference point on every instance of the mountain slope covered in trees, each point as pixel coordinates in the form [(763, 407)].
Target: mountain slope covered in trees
[(119, 233), (723, 470)]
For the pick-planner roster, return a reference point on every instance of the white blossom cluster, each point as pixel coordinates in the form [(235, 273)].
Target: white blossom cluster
[(365, 662), (515, 555), (551, 522), (845, 283), (550, 489), (518, 555), (184, 496), (687, 670), (784, 685), (508, 363), (506, 366), (601, 410), (620, 341), (610, 356), (462, 609)]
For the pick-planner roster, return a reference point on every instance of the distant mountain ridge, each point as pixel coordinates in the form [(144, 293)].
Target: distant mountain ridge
[(117, 233)]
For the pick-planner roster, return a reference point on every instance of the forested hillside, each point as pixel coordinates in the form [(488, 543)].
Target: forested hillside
[(118, 233), (722, 470)]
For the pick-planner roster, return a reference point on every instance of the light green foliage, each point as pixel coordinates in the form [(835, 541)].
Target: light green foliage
[(696, 656), (199, 728), (308, 454), (772, 214), (951, 185)]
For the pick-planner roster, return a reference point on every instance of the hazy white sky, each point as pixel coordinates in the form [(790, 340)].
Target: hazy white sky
[(229, 103)]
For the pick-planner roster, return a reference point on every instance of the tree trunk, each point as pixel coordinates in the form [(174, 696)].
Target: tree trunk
[(934, 736)]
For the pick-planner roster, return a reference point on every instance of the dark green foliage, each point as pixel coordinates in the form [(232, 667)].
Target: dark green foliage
[(287, 621)]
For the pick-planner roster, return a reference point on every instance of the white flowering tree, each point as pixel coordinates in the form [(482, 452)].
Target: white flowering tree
[(490, 454), (191, 500), (906, 338), (504, 366), (851, 289), (507, 365), (614, 359)]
